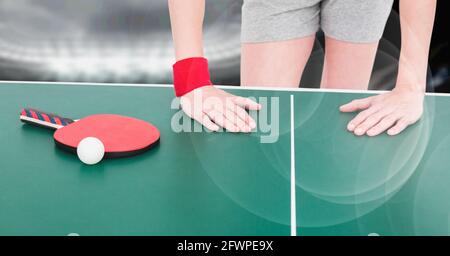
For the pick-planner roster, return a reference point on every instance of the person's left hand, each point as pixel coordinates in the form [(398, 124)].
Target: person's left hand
[(392, 112)]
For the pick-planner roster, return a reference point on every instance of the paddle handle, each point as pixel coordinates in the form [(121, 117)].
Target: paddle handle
[(44, 119)]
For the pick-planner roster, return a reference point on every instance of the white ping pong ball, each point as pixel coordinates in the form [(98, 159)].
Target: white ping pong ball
[(90, 150)]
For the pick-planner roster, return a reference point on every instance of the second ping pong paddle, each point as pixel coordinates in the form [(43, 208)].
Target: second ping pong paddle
[(122, 136)]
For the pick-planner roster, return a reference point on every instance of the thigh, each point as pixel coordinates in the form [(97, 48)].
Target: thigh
[(277, 64), (348, 65), (277, 39), (352, 29)]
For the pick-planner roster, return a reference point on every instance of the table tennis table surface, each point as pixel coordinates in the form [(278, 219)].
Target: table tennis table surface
[(300, 173)]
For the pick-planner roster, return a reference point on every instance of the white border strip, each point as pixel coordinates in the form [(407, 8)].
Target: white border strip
[(293, 180), (231, 87), (39, 122)]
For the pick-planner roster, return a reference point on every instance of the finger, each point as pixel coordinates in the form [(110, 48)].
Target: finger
[(398, 127), (200, 117), (215, 116), (355, 105), (206, 122), (235, 120), (219, 118), (386, 123), (372, 120), (361, 117), (243, 115), (246, 103)]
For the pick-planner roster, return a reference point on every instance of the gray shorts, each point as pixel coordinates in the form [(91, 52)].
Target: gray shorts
[(356, 21)]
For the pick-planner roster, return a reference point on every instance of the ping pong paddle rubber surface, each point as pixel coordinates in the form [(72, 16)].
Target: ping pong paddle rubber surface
[(122, 136)]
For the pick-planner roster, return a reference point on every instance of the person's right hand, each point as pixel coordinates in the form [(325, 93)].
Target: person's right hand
[(215, 108)]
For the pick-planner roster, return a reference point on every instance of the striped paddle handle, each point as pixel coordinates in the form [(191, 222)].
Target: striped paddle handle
[(40, 118)]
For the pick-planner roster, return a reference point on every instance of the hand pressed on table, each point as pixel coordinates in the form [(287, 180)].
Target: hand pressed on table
[(393, 112), (215, 108)]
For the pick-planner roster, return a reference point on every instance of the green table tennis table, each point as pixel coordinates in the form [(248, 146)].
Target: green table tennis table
[(300, 173)]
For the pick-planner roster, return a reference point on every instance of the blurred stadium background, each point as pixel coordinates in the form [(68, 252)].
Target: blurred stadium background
[(119, 41)]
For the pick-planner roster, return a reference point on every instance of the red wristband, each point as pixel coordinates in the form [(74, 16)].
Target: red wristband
[(190, 74)]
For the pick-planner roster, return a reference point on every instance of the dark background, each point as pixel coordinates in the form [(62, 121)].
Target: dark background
[(119, 41)]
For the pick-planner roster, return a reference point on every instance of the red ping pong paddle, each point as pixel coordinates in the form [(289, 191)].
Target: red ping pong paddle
[(122, 136)]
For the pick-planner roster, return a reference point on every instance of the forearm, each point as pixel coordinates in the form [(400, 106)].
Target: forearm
[(186, 17), (417, 19)]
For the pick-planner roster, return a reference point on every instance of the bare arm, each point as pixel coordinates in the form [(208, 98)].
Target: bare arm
[(417, 19), (224, 109), (395, 111), (186, 17)]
